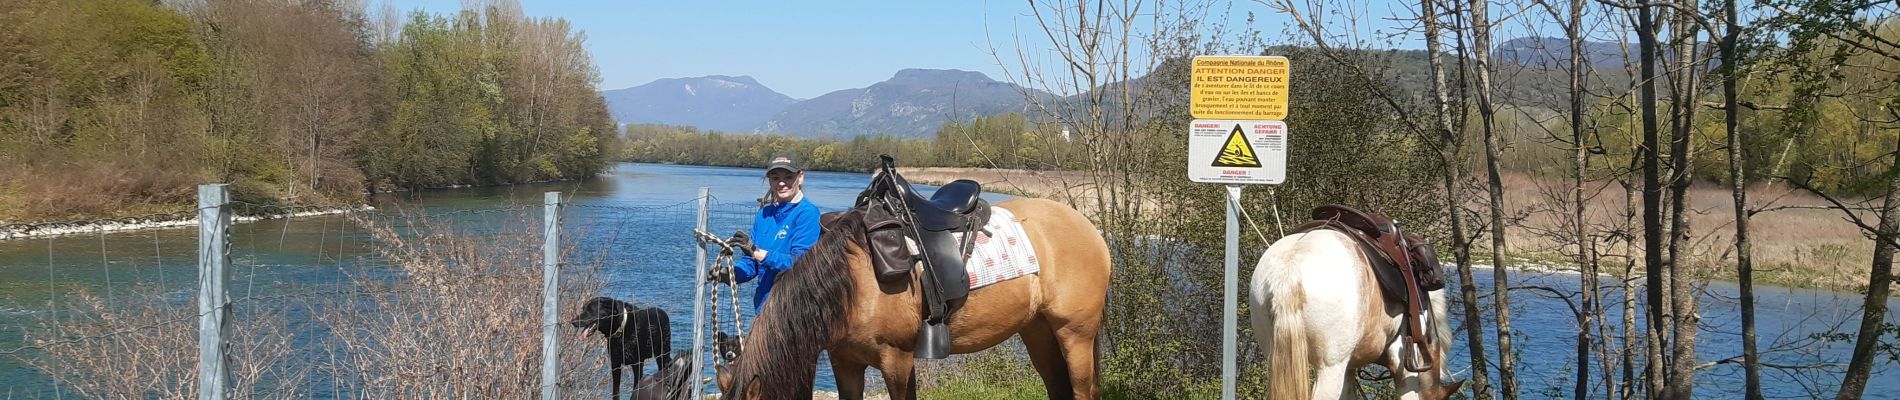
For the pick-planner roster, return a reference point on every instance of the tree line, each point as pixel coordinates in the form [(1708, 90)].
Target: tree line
[(1009, 141), (116, 106)]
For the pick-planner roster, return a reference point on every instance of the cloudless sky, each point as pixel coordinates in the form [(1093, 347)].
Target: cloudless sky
[(806, 49)]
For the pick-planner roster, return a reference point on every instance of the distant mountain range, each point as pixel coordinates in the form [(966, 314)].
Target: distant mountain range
[(1552, 52), (916, 102), (717, 102), (912, 103)]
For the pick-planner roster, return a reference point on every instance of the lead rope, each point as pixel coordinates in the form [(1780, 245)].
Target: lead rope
[(737, 314), (717, 356), (724, 259)]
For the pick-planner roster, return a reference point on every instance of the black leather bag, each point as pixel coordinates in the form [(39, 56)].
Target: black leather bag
[(892, 251)]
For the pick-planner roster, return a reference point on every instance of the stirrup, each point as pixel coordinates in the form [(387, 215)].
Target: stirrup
[(933, 341)]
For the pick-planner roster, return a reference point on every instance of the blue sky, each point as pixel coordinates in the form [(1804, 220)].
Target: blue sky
[(806, 50)]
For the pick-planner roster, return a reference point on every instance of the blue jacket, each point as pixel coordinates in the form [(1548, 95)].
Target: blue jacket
[(784, 231)]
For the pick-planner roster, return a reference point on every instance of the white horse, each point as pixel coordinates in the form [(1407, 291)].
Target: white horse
[(1317, 306)]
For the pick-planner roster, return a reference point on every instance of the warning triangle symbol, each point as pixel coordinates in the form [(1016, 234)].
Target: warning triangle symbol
[(1237, 153)]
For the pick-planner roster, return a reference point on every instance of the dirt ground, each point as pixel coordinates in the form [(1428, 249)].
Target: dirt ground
[(1797, 242)]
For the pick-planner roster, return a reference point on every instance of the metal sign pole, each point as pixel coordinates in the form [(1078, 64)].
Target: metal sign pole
[(1230, 348), (1238, 136)]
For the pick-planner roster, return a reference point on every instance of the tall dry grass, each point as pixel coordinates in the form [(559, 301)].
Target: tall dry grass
[(456, 314), (442, 311), (98, 188), (146, 346), (1799, 242)]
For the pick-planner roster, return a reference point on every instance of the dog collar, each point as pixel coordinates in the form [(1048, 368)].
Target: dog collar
[(623, 323)]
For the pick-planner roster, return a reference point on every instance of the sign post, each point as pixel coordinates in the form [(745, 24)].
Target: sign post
[(1238, 138)]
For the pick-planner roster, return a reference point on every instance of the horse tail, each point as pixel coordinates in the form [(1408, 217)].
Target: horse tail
[(1288, 361)]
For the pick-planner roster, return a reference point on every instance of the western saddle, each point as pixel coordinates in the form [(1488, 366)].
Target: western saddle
[(1405, 266), (907, 231)]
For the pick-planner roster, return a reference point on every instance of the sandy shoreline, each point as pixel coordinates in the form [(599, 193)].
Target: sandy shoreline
[(63, 228)]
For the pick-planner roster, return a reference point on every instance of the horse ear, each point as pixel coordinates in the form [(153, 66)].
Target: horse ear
[(1452, 389), (826, 219), (752, 390)]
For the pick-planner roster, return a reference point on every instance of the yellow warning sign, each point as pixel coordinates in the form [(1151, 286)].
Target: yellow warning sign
[(1237, 153), (1239, 87)]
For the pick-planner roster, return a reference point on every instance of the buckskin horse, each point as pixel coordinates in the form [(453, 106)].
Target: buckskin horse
[(1317, 305), (830, 300)]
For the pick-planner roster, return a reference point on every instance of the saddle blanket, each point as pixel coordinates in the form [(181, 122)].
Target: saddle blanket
[(1003, 254)]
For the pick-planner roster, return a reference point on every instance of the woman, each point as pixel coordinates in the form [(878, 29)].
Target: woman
[(786, 226)]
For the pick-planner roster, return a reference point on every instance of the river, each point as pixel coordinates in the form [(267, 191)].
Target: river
[(647, 254)]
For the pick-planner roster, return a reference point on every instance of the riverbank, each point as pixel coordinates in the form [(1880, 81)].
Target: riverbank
[(152, 216), (177, 219), (1800, 244)]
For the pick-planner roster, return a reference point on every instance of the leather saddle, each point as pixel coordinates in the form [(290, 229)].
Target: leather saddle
[(1405, 266), (907, 231)]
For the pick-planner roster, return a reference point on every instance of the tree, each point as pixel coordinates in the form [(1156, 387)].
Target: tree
[(1856, 32)]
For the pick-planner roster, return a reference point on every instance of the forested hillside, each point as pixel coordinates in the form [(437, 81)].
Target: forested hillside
[(123, 106)]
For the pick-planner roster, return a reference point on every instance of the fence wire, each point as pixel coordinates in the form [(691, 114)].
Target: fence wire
[(356, 302)]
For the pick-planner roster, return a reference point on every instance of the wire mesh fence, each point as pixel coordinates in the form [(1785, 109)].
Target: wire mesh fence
[(428, 302)]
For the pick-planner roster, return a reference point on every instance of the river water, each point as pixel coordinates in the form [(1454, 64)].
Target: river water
[(637, 222)]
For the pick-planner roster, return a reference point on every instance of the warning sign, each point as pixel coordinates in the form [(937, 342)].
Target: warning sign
[(1239, 87), (1237, 151)]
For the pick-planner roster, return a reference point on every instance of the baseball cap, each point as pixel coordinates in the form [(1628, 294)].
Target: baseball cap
[(785, 161)]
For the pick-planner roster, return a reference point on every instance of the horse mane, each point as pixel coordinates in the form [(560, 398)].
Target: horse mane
[(795, 324)]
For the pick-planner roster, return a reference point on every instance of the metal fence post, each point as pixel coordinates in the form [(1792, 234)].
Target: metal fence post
[(699, 299), (214, 307), (550, 297)]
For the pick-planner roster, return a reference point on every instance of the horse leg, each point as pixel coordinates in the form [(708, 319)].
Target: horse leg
[(850, 378), (1330, 382), (1078, 348), (900, 374), (1039, 340)]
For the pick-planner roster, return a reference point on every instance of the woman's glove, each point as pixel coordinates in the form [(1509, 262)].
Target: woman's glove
[(720, 273), (741, 243)]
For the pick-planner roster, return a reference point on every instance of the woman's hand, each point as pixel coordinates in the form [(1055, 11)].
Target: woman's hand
[(742, 242)]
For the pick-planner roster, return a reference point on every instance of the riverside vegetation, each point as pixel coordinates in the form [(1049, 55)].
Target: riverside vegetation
[(114, 107)]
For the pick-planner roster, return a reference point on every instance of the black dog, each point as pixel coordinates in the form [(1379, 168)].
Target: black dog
[(634, 334)]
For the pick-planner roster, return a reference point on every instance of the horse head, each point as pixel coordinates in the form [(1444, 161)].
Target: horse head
[(781, 350)]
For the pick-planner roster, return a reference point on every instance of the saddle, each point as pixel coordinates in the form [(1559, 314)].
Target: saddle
[(908, 231), (1404, 264)]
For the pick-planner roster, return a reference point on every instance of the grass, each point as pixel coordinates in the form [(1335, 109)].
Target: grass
[(1004, 372), (1027, 388)]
